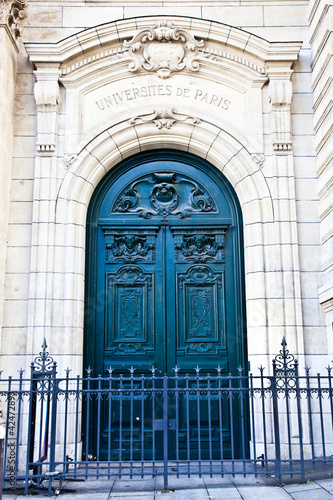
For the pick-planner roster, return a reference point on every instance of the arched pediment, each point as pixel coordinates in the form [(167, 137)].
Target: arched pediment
[(188, 44), (133, 69)]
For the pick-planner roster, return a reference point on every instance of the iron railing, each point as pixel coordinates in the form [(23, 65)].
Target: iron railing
[(134, 424)]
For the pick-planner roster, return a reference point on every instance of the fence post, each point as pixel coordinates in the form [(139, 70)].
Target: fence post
[(276, 425), (53, 388)]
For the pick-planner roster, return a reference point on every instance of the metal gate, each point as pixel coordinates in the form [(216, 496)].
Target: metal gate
[(151, 420)]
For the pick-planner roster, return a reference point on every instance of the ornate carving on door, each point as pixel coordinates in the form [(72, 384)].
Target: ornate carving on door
[(164, 283), (164, 194)]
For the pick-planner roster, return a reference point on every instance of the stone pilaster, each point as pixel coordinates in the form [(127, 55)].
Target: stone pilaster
[(42, 270), (287, 267), (8, 54), (321, 39)]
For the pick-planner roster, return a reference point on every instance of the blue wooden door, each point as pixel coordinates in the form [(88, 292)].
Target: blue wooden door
[(165, 275)]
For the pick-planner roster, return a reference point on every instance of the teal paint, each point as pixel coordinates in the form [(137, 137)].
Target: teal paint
[(165, 276)]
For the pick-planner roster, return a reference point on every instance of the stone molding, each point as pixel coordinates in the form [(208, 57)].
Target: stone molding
[(11, 14), (197, 39), (211, 54), (164, 118)]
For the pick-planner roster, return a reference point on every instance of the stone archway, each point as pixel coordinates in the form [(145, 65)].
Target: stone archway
[(115, 103)]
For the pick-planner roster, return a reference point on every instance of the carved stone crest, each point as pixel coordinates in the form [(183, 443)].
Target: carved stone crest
[(164, 49), (164, 118)]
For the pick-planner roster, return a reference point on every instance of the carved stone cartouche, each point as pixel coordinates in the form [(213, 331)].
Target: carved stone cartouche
[(164, 49)]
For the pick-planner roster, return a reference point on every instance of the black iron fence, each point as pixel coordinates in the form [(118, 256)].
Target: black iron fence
[(141, 424)]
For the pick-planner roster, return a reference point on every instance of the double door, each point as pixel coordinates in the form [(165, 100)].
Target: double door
[(166, 295), (165, 289)]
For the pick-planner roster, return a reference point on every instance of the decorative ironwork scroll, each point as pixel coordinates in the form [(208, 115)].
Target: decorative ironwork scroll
[(44, 363), (164, 194), (285, 368)]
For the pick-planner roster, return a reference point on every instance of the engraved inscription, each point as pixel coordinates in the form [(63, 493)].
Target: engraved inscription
[(121, 97)]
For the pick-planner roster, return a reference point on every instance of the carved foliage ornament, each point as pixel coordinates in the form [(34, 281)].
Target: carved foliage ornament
[(164, 194), (128, 246), (164, 49), (200, 275), (199, 245), (129, 331), (130, 276), (12, 13), (164, 118)]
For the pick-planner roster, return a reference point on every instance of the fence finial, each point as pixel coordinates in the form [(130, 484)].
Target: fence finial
[(284, 361), (44, 362)]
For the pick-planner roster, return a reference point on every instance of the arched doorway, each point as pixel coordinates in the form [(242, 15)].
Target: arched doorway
[(164, 275)]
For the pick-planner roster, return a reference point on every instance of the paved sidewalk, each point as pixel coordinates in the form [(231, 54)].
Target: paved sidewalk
[(195, 488)]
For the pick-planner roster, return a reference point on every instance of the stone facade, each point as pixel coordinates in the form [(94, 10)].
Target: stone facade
[(246, 85)]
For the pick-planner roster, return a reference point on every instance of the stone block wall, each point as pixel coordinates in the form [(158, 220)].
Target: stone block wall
[(321, 38), (288, 179)]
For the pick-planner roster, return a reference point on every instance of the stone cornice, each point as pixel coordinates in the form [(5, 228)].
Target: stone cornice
[(220, 41), (10, 35)]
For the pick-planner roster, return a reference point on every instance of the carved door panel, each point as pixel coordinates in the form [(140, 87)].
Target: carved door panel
[(203, 280), (132, 307), (131, 313)]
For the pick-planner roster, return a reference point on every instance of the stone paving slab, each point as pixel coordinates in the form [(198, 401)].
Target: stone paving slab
[(290, 488), (315, 494), (229, 492), (133, 485), (194, 488), (255, 492), (326, 483)]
